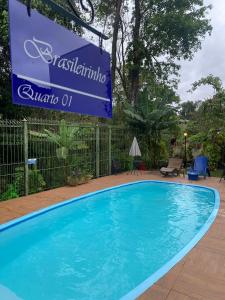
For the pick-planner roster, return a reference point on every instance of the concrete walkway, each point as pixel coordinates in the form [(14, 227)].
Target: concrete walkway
[(200, 275)]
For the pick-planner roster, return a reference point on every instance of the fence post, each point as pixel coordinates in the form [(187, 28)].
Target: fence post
[(97, 151), (25, 152), (110, 150)]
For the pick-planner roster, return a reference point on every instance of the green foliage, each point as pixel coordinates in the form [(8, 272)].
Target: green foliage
[(188, 109), (214, 81), (65, 139), (36, 181), (207, 125), (126, 161), (212, 151), (36, 184), (154, 116), (67, 143), (163, 33), (10, 193)]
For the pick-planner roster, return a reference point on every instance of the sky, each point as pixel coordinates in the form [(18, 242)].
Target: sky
[(209, 60)]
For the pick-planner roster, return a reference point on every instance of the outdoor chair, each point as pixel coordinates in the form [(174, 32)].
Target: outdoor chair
[(136, 167), (116, 166), (173, 168), (200, 167)]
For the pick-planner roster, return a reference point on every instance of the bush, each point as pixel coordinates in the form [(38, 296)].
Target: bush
[(212, 151), (10, 193), (126, 162), (36, 181)]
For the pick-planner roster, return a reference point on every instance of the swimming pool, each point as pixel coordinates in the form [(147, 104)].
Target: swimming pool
[(113, 244)]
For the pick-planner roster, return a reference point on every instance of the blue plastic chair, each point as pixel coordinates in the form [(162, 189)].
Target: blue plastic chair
[(200, 165)]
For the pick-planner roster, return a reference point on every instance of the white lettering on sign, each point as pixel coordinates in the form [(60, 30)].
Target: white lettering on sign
[(26, 92), (39, 49)]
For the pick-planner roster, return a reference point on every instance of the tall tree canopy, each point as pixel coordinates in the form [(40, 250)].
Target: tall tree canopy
[(162, 33), (207, 125)]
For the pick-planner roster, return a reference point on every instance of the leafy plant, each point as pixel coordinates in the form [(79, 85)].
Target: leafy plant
[(10, 193), (65, 139), (79, 176), (126, 161), (36, 181), (212, 151), (66, 142), (150, 119)]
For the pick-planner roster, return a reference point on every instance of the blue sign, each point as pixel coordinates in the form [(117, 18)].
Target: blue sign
[(55, 69), (32, 161)]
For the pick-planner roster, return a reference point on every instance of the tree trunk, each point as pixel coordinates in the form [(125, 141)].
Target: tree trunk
[(115, 38), (136, 57)]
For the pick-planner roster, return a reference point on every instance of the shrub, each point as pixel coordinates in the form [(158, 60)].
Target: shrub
[(36, 181), (10, 193), (212, 151)]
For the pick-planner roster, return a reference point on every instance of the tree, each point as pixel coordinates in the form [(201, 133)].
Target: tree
[(188, 108), (115, 38), (154, 116), (111, 14), (211, 112), (163, 32), (207, 126), (211, 80)]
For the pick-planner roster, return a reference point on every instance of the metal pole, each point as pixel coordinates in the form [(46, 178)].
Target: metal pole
[(110, 150), (25, 151), (185, 151), (97, 151)]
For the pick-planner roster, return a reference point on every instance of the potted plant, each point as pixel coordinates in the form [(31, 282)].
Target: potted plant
[(78, 177)]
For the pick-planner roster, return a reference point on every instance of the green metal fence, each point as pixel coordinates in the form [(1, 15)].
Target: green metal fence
[(95, 146)]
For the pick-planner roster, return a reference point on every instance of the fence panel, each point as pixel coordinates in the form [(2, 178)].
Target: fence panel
[(54, 165), (121, 143), (104, 151), (59, 149), (11, 158)]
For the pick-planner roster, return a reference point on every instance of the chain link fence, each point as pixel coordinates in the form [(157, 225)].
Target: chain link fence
[(38, 155)]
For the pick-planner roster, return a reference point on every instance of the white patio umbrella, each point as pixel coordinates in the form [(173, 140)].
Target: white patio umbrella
[(134, 149)]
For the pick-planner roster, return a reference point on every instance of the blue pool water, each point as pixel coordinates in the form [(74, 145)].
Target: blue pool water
[(103, 246)]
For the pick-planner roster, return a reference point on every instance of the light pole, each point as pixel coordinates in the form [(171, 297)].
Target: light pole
[(185, 149)]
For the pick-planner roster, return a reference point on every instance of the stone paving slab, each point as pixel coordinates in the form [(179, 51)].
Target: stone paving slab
[(201, 273)]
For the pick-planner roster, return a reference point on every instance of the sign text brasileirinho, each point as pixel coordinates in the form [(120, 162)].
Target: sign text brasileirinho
[(55, 69)]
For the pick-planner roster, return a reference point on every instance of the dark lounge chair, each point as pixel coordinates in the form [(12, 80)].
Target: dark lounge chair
[(173, 168)]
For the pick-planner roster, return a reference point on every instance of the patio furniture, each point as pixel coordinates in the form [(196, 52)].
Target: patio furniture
[(135, 167), (135, 152), (192, 175), (173, 168), (116, 166), (200, 166), (142, 166)]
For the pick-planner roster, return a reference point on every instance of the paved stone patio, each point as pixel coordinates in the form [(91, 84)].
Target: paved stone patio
[(201, 273)]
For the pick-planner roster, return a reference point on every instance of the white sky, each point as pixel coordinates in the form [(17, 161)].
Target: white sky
[(209, 60)]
